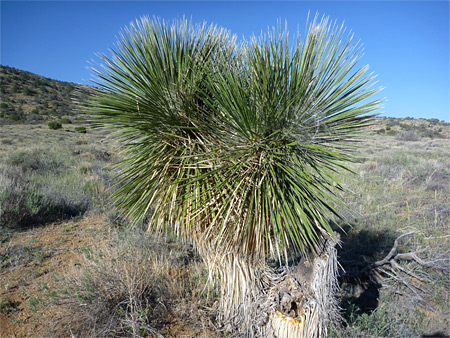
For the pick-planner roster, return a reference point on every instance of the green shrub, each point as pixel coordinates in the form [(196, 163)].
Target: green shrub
[(81, 130), (433, 121), (54, 125), (37, 187), (405, 126), (65, 120), (26, 202), (5, 306), (15, 115)]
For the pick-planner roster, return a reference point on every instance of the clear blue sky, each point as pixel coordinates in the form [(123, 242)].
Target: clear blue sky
[(406, 42)]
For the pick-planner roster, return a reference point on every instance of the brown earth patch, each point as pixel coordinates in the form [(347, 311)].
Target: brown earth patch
[(33, 264)]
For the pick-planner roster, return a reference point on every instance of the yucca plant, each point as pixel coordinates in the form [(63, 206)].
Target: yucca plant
[(239, 149)]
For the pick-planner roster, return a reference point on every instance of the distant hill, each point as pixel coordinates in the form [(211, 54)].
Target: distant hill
[(29, 98)]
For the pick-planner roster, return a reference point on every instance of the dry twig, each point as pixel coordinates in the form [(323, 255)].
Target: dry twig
[(407, 269)]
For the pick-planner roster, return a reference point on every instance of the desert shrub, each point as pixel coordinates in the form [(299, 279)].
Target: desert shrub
[(16, 115), (433, 121), (409, 135), (54, 125), (17, 201), (81, 130), (7, 141), (5, 306), (24, 202), (34, 117), (432, 133), (39, 186), (405, 126), (37, 160), (28, 91), (438, 181), (65, 120), (391, 133), (130, 285)]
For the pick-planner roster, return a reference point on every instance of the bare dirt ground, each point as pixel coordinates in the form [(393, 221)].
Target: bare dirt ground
[(34, 262), (40, 256)]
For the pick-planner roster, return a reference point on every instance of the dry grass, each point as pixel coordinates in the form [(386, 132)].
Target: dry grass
[(90, 279), (403, 185), (132, 285), (42, 184)]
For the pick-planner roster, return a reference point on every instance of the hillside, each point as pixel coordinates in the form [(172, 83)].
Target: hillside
[(29, 98)]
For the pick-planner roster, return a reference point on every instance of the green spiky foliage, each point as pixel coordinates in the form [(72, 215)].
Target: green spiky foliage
[(237, 149), (289, 116)]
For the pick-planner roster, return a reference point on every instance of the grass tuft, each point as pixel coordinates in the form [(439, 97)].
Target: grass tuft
[(132, 286)]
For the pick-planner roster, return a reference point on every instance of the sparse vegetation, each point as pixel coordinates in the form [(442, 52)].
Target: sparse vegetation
[(81, 130), (54, 125), (40, 185), (130, 286), (401, 185), (29, 98), (65, 120)]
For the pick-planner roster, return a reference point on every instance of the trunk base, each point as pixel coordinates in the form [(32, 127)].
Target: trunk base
[(257, 301), (305, 302)]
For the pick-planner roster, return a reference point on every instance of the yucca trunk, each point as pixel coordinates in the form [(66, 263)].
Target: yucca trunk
[(305, 301), (259, 301), (241, 287)]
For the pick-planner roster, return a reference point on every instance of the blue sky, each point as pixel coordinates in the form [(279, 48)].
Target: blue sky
[(405, 42)]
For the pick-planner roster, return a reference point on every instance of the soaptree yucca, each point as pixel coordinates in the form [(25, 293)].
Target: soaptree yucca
[(238, 149)]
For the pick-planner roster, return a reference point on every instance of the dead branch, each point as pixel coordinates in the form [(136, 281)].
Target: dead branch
[(389, 257), (407, 269), (393, 257)]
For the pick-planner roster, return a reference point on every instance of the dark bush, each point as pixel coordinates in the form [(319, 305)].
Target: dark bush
[(433, 121), (34, 117), (405, 126), (28, 91), (16, 115), (81, 130), (54, 125), (7, 141)]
